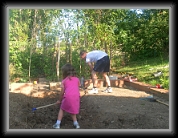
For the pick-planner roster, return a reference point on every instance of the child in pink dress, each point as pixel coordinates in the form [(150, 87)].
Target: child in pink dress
[(70, 96)]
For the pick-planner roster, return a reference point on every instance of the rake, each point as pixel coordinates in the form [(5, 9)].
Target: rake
[(33, 109)]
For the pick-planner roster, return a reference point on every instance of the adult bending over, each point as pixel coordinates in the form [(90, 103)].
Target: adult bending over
[(101, 65)]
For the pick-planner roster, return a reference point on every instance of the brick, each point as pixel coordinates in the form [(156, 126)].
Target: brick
[(88, 83)]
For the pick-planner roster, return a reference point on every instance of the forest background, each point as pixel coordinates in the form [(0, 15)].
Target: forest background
[(41, 41)]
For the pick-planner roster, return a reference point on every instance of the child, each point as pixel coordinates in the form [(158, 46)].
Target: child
[(70, 96)]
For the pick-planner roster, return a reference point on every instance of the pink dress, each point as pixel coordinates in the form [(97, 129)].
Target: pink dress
[(71, 99)]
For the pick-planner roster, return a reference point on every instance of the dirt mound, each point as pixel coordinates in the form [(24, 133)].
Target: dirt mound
[(122, 109)]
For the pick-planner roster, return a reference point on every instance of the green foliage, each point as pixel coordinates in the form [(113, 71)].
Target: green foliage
[(142, 36), (116, 61), (164, 81), (23, 80), (144, 70), (34, 33), (12, 72)]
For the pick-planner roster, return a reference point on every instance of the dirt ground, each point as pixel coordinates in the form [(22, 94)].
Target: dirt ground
[(124, 108)]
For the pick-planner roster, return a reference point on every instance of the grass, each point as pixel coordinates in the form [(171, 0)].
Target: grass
[(144, 71)]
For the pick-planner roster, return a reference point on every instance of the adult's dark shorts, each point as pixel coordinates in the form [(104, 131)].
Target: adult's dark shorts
[(102, 65)]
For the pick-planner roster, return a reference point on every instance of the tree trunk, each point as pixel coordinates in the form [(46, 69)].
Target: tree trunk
[(58, 60), (33, 39), (30, 65)]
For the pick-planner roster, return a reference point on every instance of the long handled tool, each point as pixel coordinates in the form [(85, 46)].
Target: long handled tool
[(33, 109), (152, 99), (162, 102)]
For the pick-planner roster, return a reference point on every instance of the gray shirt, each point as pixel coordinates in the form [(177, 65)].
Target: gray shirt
[(95, 55)]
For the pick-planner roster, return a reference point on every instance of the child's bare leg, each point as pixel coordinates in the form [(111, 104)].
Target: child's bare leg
[(60, 114), (74, 118), (59, 118)]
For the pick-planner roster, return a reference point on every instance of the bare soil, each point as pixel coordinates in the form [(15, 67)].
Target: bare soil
[(124, 108)]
